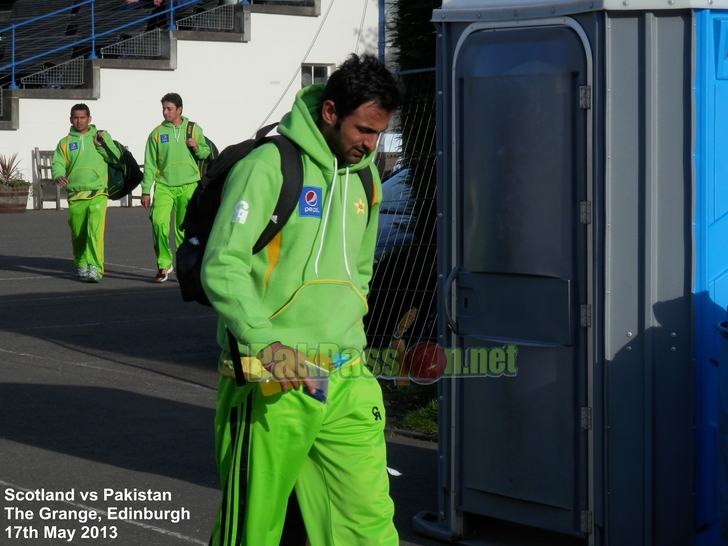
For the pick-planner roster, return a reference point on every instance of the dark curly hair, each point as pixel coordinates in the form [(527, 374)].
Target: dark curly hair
[(80, 106), (361, 79), (174, 98)]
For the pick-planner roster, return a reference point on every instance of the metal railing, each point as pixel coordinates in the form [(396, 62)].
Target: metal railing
[(85, 28)]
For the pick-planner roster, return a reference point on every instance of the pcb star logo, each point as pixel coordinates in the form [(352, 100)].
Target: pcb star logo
[(360, 207)]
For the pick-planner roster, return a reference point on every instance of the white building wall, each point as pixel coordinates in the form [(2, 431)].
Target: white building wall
[(230, 89)]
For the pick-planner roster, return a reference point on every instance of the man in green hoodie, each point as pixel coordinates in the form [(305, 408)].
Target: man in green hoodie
[(170, 159), (80, 164), (302, 298)]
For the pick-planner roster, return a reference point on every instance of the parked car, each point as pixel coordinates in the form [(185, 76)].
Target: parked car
[(395, 214)]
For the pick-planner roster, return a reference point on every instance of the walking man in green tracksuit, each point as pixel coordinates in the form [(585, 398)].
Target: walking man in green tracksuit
[(170, 159), (80, 163), (303, 297)]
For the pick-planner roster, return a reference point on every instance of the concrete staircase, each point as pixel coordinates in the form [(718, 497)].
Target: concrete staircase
[(166, 59)]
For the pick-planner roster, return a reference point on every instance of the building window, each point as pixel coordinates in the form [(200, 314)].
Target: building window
[(315, 73)]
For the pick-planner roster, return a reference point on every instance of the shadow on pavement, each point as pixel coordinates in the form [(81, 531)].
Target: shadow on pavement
[(113, 427), (60, 268)]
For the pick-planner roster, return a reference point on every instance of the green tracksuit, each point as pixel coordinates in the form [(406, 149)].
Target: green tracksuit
[(306, 289), (170, 162), (85, 167)]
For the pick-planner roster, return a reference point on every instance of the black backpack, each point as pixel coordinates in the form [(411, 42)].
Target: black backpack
[(205, 201), (202, 164), (124, 173)]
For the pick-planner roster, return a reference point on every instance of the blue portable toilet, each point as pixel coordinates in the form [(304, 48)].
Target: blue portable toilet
[(711, 270), (583, 194)]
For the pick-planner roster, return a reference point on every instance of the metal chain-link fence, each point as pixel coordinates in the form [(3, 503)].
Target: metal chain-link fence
[(219, 18), (65, 74), (147, 45), (403, 287)]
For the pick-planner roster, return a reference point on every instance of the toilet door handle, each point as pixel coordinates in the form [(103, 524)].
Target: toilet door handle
[(448, 285)]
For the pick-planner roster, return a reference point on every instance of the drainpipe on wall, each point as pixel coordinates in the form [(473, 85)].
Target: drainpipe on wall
[(382, 18)]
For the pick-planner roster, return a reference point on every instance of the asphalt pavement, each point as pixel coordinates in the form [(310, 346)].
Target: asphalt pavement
[(107, 397)]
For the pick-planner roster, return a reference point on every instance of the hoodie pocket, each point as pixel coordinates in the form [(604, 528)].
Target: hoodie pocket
[(321, 310)]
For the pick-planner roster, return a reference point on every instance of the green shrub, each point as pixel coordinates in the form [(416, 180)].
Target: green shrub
[(422, 419)]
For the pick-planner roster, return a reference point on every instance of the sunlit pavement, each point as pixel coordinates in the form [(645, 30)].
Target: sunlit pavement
[(107, 395)]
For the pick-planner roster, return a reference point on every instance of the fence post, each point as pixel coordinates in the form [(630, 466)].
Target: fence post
[(92, 55), (171, 15), (12, 84)]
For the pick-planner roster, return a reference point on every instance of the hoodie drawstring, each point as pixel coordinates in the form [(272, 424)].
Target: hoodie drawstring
[(343, 220), (326, 218)]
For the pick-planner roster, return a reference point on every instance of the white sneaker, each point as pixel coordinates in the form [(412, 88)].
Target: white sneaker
[(94, 275), (163, 274), (82, 272)]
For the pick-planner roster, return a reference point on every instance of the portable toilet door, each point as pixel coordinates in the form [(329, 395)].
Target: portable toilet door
[(565, 249), (518, 254)]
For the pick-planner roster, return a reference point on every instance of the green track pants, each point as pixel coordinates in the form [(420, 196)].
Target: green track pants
[(334, 454), (87, 220), (167, 198)]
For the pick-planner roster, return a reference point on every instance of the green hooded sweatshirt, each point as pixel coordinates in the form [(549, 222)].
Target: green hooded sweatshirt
[(168, 159), (309, 285), (84, 165)]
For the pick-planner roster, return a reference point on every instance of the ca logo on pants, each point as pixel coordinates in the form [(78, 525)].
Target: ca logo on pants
[(241, 212)]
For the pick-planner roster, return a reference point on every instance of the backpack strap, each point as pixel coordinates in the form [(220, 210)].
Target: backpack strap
[(235, 356), (263, 131), (368, 182), (292, 170), (111, 154), (189, 130)]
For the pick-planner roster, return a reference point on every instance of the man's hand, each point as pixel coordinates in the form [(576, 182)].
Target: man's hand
[(61, 181), (146, 201), (192, 143), (286, 365), (99, 138)]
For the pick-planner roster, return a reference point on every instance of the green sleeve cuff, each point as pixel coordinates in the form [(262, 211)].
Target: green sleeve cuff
[(257, 338)]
